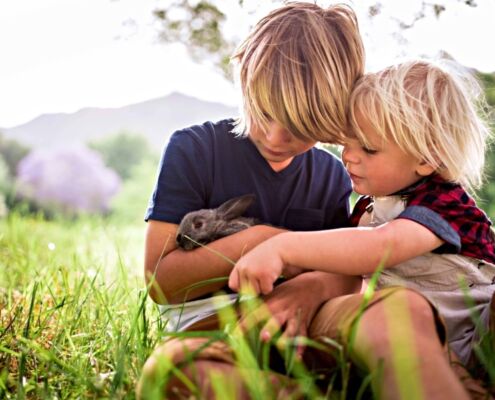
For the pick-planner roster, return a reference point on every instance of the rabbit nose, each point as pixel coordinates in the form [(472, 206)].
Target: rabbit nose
[(178, 238)]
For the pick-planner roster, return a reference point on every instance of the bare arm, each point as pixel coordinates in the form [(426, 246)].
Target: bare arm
[(177, 269), (350, 251)]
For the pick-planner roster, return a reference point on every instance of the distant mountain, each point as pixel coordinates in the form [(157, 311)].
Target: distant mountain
[(156, 119)]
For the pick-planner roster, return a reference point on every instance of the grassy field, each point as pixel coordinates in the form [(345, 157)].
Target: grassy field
[(76, 322)]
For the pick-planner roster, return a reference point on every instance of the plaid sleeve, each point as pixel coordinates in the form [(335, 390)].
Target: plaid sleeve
[(449, 212)]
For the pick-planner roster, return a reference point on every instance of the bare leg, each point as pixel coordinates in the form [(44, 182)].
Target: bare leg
[(162, 376), (201, 373), (413, 360), (212, 371)]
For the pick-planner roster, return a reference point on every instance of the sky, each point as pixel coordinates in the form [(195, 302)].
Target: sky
[(64, 55)]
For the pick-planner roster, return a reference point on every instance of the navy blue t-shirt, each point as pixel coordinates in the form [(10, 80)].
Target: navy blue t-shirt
[(205, 165)]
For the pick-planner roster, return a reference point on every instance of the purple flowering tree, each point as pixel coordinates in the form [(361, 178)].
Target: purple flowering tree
[(71, 180)]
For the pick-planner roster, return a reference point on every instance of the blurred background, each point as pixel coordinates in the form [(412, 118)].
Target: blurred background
[(91, 90)]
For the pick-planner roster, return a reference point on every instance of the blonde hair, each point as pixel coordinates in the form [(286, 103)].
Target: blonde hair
[(297, 68), (430, 112)]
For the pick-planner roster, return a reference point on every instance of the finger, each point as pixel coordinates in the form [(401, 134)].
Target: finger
[(246, 287), (266, 286), (253, 318), (234, 280), (269, 330), (300, 344), (291, 328), (249, 286), (296, 328)]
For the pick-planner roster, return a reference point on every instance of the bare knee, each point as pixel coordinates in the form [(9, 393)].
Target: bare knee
[(158, 369), (153, 376), (425, 322), (404, 313), (168, 373)]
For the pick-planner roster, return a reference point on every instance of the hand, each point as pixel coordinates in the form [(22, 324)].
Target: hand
[(258, 269), (289, 308)]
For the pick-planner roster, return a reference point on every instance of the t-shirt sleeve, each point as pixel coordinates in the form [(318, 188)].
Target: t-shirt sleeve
[(182, 179), (444, 215)]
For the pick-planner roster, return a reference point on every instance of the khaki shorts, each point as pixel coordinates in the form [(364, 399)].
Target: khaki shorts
[(336, 317)]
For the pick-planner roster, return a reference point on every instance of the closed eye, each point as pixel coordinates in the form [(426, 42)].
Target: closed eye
[(369, 151)]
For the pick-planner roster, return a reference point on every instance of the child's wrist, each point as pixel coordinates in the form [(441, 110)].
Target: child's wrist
[(279, 245)]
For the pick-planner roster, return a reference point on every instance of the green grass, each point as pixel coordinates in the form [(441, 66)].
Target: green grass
[(76, 321), (75, 318)]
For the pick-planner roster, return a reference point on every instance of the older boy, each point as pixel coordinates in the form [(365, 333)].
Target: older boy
[(296, 71)]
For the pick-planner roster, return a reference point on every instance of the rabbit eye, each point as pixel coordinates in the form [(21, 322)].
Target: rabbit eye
[(197, 224)]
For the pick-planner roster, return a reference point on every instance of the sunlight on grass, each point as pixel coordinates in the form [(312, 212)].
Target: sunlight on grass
[(74, 316), (76, 322)]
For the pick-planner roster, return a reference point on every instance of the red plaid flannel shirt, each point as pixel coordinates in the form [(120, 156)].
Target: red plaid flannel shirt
[(451, 202)]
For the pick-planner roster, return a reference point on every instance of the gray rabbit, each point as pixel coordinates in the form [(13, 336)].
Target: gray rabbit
[(205, 226)]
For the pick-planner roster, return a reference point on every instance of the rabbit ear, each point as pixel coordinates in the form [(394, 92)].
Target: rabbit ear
[(235, 207)]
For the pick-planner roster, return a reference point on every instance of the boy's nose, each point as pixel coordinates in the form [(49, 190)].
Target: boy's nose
[(348, 155), (277, 134)]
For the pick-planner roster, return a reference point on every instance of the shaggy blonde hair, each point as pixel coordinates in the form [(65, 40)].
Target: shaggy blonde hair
[(298, 67), (430, 112)]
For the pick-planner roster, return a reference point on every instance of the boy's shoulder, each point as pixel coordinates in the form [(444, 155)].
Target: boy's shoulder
[(207, 130), (203, 137)]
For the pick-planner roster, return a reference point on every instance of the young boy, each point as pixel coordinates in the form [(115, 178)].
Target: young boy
[(296, 71), (418, 146)]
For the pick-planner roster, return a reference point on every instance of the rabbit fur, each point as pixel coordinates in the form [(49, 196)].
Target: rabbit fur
[(207, 225)]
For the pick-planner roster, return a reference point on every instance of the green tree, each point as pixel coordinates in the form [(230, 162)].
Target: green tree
[(122, 152), (5, 179), (199, 24), (12, 153), (129, 205), (488, 81), (486, 195)]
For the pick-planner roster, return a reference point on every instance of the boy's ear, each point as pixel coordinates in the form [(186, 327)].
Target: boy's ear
[(424, 169)]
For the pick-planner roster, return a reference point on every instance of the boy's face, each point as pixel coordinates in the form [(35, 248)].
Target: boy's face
[(277, 145), (383, 167)]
